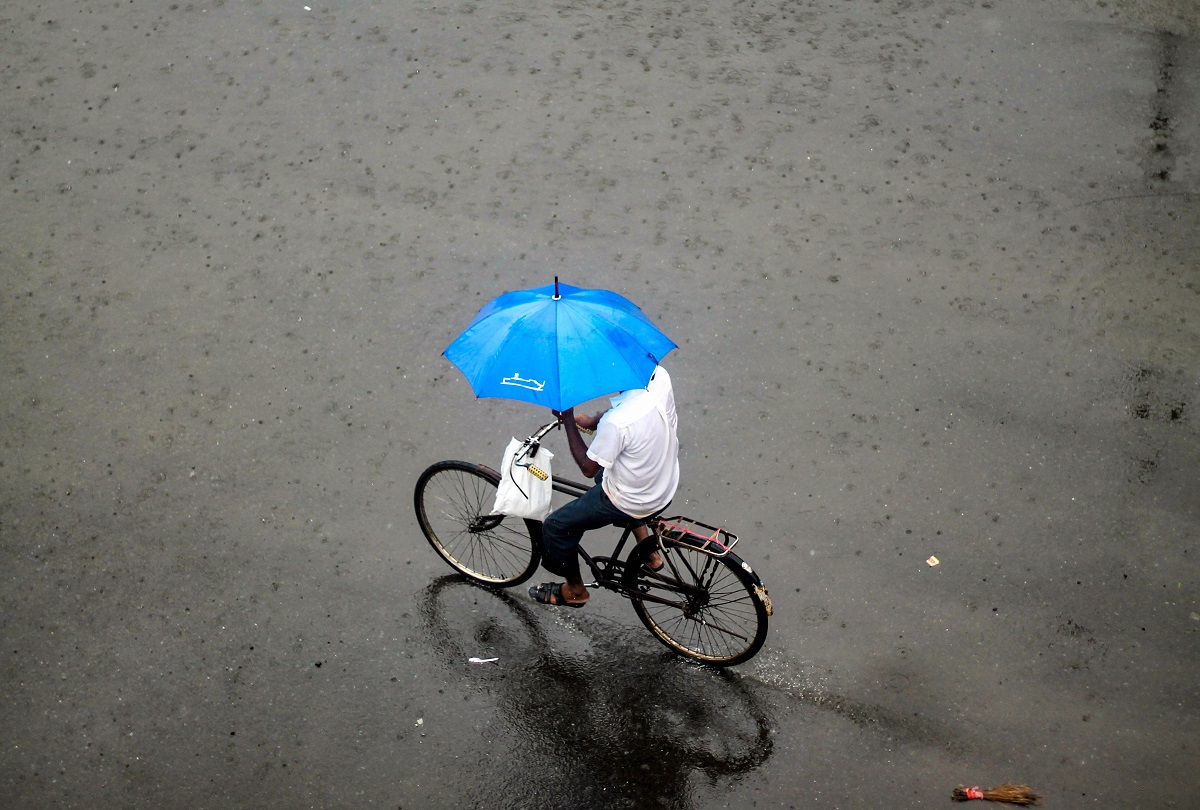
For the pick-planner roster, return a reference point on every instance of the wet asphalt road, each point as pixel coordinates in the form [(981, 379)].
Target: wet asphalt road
[(934, 270)]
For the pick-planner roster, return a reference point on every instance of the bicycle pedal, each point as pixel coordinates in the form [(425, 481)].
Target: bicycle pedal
[(591, 584)]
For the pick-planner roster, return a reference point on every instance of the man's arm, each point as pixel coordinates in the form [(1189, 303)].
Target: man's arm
[(575, 441)]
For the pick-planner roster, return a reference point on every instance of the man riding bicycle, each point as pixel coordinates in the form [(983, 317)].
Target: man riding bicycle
[(634, 459)]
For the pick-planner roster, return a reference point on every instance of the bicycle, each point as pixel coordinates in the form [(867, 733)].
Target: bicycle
[(704, 602)]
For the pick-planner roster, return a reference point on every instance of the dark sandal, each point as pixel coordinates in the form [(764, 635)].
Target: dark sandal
[(656, 568), (548, 591)]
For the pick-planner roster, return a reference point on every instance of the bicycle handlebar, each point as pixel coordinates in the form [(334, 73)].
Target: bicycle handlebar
[(541, 432)]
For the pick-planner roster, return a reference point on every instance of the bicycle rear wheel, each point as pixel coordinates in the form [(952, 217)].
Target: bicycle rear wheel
[(706, 608), (453, 500)]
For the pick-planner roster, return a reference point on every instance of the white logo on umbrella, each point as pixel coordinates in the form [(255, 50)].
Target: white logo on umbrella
[(521, 382)]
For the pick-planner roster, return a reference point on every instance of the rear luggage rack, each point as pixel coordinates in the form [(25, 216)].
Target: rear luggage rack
[(711, 540)]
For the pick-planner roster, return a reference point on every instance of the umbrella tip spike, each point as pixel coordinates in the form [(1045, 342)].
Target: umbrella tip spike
[(556, 295)]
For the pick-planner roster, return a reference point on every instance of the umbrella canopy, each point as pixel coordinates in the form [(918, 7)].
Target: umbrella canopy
[(558, 346)]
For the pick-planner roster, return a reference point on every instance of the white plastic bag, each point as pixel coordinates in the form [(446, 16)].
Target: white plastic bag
[(523, 492)]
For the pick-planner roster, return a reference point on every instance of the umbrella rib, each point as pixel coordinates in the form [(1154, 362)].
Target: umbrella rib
[(590, 343)]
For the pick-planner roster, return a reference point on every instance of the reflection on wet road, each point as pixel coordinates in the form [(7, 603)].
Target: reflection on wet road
[(618, 725)]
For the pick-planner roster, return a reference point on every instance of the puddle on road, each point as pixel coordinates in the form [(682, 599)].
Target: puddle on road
[(590, 709)]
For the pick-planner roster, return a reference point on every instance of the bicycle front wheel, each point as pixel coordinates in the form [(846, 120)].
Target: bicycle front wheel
[(454, 500), (706, 608)]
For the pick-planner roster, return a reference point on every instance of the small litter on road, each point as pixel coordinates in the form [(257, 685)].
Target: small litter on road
[(933, 561), (1012, 794), (474, 660)]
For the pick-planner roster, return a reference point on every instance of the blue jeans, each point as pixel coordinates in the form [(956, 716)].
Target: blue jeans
[(563, 528)]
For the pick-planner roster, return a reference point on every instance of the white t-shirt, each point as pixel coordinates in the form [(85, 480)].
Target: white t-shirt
[(637, 446)]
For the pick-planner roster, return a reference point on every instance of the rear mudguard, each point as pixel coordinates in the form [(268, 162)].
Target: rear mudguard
[(705, 546)]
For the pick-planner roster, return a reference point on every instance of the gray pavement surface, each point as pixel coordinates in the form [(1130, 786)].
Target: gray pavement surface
[(934, 270)]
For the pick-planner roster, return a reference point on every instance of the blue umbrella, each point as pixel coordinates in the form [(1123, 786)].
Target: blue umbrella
[(558, 346)]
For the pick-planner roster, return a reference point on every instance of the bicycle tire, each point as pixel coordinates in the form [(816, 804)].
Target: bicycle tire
[(453, 500), (710, 611)]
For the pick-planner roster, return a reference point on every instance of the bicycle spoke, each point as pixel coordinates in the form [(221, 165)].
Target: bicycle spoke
[(463, 505), (454, 502), (700, 605)]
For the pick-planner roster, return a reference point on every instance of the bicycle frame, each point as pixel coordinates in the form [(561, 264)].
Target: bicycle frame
[(607, 571)]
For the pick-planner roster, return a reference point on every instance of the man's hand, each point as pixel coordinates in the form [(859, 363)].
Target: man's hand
[(588, 422), (578, 449)]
